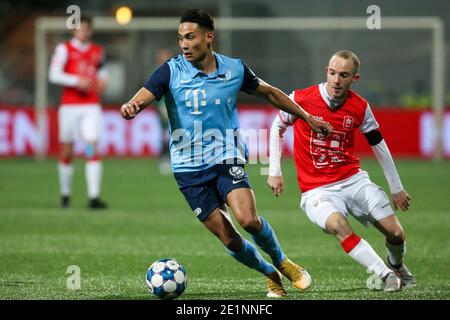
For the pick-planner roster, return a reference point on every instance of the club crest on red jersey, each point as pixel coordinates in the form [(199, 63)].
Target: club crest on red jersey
[(348, 122)]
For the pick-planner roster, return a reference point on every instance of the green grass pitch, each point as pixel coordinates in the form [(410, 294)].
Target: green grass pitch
[(149, 219)]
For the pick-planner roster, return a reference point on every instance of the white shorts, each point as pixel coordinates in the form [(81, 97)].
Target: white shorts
[(357, 196), (83, 119)]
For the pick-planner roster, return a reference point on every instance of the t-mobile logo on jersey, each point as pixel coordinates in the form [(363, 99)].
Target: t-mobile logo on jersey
[(199, 99)]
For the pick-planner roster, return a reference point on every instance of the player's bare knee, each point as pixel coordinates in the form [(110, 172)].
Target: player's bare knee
[(396, 236), (337, 225), (251, 223)]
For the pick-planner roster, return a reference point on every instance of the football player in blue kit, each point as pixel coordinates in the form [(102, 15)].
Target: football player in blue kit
[(207, 152)]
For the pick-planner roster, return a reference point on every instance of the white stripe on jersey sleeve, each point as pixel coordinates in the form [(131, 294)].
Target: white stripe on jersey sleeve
[(369, 123), (56, 73)]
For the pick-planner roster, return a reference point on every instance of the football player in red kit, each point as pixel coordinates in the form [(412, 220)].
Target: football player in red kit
[(329, 175), (78, 66)]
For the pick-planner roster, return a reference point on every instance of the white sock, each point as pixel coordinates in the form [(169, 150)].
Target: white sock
[(396, 253), (65, 173), (93, 177), (366, 256)]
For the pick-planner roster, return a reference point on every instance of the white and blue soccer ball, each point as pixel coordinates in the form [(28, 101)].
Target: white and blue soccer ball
[(166, 279)]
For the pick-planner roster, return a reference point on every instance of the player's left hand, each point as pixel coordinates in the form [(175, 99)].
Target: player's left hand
[(401, 200), (130, 109), (320, 126), (276, 184)]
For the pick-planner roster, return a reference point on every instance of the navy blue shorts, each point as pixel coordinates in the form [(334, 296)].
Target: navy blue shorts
[(208, 189)]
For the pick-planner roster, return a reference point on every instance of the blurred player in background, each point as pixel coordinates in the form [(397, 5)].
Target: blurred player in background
[(78, 66), (200, 88), (164, 164), (329, 174)]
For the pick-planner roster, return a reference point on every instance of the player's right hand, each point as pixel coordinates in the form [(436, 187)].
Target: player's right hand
[(130, 109), (276, 184), (320, 126)]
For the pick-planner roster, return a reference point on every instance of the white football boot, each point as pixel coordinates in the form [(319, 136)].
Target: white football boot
[(408, 280), (392, 282)]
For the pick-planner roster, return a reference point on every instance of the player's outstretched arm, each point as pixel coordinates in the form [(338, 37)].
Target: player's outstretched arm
[(372, 132), (400, 197), (138, 103), (281, 101)]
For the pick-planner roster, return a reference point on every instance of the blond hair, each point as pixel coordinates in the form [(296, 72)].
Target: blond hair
[(347, 54)]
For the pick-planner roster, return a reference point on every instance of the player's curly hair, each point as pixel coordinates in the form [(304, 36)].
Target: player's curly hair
[(199, 16)]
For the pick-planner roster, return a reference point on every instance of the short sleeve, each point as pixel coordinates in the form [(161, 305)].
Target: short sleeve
[(250, 82), (369, 123), (158, 82)]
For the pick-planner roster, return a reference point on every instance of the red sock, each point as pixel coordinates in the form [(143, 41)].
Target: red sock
[(65, 160), (93, 158), (350, 242)]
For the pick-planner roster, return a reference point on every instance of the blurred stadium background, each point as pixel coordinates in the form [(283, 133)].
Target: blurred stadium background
[(403, 75), (38, 241)]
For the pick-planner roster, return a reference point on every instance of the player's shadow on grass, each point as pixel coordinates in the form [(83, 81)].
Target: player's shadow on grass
[(217, 295), (15, 283), (340, 290), (127, 297)]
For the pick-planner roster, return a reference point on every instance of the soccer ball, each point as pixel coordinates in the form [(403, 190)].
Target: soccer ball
[(166, 279)]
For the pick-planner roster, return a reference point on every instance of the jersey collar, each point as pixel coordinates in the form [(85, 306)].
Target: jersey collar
[(79, 45), (219, 73), (331, 103)]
